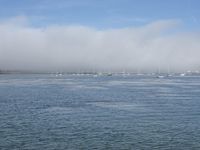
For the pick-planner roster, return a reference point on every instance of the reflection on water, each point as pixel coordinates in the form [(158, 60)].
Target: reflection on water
[(83, 112)]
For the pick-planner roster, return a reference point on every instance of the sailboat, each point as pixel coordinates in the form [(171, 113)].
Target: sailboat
[(159, 74), (168, 72)]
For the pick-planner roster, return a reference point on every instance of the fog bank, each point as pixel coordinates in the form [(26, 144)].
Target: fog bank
[(79, 48)]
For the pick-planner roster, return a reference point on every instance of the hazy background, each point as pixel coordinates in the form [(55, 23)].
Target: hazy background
[(95, 36)]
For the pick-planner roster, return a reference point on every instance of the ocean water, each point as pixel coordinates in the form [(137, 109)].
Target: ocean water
[(71, 112)]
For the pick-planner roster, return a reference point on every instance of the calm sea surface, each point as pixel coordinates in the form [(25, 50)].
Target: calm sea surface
[(70, 112)]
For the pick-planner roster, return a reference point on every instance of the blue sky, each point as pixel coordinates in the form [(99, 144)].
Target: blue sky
[(102, 13)]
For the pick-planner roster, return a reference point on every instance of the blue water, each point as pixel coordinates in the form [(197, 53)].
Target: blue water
[(45, 112)]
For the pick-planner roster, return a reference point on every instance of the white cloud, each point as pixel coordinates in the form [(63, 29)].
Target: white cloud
[(75, 48)]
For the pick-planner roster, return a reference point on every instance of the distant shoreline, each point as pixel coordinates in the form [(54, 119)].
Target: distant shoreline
[(99, 73)]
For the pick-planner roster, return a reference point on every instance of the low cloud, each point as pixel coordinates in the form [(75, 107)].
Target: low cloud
[(80, 48)]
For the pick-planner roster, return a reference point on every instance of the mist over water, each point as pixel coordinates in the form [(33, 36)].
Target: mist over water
[(80, 48)]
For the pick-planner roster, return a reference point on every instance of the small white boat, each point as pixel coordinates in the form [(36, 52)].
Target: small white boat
[(182, 74), (160, 76)]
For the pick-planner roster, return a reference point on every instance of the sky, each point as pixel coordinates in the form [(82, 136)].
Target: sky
[(111, 35)]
